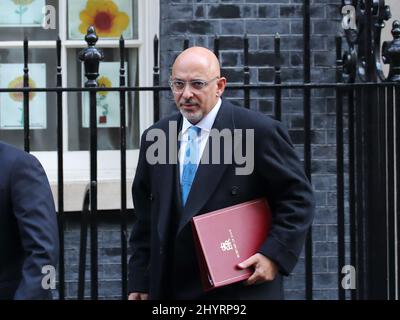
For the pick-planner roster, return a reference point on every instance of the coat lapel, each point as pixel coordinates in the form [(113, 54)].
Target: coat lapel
[(209, 175), (165, 174)]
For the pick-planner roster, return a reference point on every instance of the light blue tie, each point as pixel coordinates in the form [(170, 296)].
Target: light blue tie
[(190, 162)]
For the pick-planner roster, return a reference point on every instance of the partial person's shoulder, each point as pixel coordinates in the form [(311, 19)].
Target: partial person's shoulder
[(11, 155), (164, 125), (10, 152)]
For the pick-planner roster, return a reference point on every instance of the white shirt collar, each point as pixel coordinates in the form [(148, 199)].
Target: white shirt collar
[(207, 122)]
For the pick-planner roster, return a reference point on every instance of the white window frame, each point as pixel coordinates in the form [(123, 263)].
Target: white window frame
[(76, 163)]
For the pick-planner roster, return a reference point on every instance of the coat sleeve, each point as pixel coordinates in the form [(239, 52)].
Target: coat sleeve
[(290, 196), (138, 277), (33, 207)]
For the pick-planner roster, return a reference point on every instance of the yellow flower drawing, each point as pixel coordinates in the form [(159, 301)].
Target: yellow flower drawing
[(104, 82), (105, 16), (19, 83), (22, 2)]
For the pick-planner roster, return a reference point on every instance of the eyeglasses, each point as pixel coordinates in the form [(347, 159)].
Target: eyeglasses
[(178, 86)]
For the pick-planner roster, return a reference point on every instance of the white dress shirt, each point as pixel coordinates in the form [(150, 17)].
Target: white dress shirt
[(205, 125)]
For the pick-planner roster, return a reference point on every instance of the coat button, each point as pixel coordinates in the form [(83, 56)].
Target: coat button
[(161, 251), (234, 190), (151, 197)]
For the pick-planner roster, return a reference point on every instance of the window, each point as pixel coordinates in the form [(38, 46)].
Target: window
[(138, 21)]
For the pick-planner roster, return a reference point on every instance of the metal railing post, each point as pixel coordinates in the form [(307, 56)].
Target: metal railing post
[(91, 57)]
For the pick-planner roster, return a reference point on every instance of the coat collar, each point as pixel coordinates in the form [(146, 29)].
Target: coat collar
[(206, 180), (207, 176)]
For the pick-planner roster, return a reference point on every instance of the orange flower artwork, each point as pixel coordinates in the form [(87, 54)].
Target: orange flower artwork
[(105, 16), (19, 83)]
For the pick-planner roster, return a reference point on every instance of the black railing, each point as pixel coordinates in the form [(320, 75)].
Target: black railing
[(60, 163), (373, 158), (124, 231)]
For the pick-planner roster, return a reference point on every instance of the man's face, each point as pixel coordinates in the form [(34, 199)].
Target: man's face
[(197, 89)]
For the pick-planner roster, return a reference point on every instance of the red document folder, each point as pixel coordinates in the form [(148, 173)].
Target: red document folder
[(228, 236)]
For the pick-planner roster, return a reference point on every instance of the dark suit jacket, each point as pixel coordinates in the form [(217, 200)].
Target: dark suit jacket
[(28, 225), (163, 260)]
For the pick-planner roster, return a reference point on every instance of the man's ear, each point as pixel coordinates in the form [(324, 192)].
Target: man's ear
[(221, 86)]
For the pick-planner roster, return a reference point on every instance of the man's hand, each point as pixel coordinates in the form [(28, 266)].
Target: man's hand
[(264, 269), (138, 296)]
